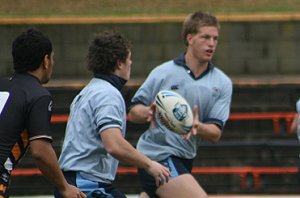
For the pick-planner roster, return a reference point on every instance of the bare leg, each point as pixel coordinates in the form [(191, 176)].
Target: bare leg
[(183, 186)]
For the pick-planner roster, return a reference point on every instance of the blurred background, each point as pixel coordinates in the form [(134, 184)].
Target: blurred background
[(258, 48)]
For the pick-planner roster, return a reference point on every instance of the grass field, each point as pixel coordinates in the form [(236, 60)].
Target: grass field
[(29, 8)]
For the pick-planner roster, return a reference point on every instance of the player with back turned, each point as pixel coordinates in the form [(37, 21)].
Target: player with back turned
[(205, 87), (25, 112), (94, 140)]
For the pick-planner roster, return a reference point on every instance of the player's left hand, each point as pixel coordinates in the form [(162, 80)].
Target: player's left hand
[(160, 173), (196, 124)]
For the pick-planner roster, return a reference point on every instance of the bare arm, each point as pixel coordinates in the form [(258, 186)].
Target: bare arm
[(294, 124), (46, 160), (210, 132), (122, 150), (141, 113)]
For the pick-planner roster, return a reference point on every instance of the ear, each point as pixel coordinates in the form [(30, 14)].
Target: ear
[(189, 38), (46, 62), (119, 64)]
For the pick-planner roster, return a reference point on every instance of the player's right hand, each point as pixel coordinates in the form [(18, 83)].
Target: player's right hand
[(151, 114), (196, 123), (160, 173), (72, 192)]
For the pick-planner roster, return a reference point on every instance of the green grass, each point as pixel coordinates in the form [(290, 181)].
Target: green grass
[(28, 8)]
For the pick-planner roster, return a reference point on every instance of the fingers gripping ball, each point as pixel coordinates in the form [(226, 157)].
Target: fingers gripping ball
[(174, 111)]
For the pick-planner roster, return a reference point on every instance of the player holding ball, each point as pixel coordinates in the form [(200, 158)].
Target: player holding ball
[(207, 90)]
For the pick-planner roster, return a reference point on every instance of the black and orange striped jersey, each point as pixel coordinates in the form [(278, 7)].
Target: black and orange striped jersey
[(25, 113)]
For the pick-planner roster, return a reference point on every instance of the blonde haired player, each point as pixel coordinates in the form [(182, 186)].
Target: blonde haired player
[(203, 85)]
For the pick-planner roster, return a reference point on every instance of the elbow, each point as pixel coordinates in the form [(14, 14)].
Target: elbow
[(110, 150), (130, 116), (113, 150), (36, 154), (215, 138), (216, 135), (39, 154), (40, 149)]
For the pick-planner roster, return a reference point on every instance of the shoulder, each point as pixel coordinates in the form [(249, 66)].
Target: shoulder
[(165, 66), (221, 75), (101, 90), (164, 69), (28, 85)]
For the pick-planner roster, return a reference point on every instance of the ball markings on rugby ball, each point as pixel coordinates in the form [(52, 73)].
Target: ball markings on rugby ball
[(174, 111)]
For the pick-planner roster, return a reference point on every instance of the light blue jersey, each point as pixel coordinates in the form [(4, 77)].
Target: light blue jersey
[(97, 107), (211, 92)]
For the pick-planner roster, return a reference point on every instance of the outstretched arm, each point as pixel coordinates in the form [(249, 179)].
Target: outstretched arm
[(46, 160), (141, 113), (209, 132), (122, 150)]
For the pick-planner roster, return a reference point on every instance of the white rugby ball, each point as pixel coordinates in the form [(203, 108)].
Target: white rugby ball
[(175, 112)]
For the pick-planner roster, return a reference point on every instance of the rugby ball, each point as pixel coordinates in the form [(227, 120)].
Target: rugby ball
[(174, 111)]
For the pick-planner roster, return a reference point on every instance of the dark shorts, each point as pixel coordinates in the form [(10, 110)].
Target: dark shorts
[(90, 188), (176, 165)]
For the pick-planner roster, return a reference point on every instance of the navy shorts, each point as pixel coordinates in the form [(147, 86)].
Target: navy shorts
[(176, 165), (90, 188)]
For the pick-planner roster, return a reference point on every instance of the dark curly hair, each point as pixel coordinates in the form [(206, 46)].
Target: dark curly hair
[(196, 20), (29, 50), (105, 50)]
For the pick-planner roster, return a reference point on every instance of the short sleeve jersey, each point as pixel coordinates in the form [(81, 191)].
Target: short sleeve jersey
[(211, 92), (25, 113), (99, 106)]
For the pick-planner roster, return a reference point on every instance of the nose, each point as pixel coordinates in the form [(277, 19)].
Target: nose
[(212, 42)]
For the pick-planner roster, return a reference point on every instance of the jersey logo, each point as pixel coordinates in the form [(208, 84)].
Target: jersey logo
[(216, 91), (174, 87), (3, 99), (50, 106)]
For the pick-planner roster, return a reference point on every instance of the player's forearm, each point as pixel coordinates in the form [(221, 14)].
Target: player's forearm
[(121, 149), (139, 114), (128, 155), (46, 161), (209, 132)]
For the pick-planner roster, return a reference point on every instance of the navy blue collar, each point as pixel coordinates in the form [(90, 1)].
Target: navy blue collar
[(26, 75), (116, 81), (180, 61)]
